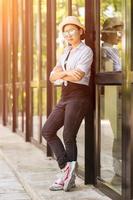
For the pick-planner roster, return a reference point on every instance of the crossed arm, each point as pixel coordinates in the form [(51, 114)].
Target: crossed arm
[(68, 75)]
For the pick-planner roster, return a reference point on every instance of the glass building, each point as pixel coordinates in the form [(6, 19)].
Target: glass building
[(30, 44)]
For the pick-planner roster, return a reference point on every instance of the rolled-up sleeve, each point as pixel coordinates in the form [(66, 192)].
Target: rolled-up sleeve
[(85, 61), (58, 64)]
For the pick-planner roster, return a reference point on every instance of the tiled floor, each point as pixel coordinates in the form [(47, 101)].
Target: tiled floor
[(36, 172), (10, 187)]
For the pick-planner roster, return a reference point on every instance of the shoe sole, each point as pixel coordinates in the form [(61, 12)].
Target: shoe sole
[(55, 189), (69, 183)]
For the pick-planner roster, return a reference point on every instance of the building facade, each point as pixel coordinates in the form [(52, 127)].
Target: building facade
[(30, 44)]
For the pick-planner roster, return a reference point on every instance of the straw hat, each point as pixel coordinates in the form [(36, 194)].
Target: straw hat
[(111, 22), (71, 20)]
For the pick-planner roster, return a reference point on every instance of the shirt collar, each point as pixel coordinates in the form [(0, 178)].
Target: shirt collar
[(80, 44), (77, 47)]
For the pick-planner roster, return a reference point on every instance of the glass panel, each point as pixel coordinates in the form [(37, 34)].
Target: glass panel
[(80, 145), (111, 35), (78, 9), (44, 109), (58, 93), (9, 104), (43, 36), (44, 68), (9, 38), (9, 55), (19, 109), (24, 111), (35, 111), (61, 11), (111, 132), (20, 67), (35, 40)]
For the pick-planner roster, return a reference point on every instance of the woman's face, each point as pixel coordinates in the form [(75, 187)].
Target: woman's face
[(72, 34)]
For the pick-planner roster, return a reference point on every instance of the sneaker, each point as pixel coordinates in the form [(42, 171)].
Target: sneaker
[(57, 185), (69, 182), (61, 178)]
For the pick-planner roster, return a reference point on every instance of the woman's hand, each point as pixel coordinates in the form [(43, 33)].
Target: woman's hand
[(57, 69), (74, 75), (56, 74), (68, 75)]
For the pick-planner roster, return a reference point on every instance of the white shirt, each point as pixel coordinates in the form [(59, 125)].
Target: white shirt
[(112, 53), (80, 58)]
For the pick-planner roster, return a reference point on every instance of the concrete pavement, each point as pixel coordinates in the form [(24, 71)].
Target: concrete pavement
[(33, 173), (10, 187)]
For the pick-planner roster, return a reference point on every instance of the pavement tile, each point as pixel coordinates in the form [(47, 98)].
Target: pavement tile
[(36, 172)]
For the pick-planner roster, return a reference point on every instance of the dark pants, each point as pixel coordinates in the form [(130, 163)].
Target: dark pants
[(68, 112)]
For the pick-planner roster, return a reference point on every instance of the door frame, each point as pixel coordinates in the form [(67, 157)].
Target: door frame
[(125, 79)]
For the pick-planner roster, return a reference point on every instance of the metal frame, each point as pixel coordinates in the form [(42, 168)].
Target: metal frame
[(51, 54), (28, 65), (131, 6), (127, 128), (127, 136), (14, 60), (90, 170), (69, 4), (1, 58), (23, 75), (40, 71), (4, 44)]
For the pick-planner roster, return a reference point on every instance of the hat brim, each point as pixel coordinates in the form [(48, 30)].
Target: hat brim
[(63, 24)]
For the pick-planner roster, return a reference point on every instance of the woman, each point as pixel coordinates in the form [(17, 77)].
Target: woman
[(73, 68)]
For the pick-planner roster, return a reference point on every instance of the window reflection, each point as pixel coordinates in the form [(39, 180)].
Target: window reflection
[(110, 114), (111, 35), (112, 28)]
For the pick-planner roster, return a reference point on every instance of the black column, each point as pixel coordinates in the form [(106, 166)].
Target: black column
[(51, 54)]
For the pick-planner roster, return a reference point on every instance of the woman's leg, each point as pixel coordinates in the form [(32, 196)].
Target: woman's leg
[(49, 131), (74, 114)]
